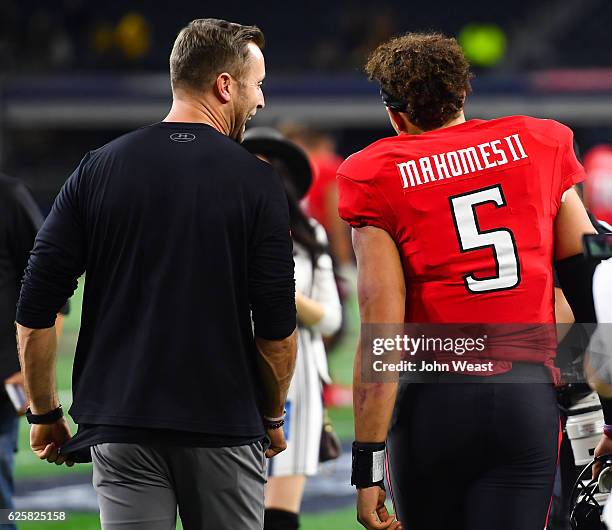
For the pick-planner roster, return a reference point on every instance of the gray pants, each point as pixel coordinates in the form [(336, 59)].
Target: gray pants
[(140, 487)]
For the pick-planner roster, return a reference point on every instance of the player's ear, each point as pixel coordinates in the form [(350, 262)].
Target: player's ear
[(398, 121)]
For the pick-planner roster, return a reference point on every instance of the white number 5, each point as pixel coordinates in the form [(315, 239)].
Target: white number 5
[(501, 240)]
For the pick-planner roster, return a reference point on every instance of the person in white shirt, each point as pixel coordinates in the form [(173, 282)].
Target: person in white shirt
[(319, 314)]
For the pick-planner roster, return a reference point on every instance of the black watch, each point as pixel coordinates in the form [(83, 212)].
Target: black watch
[(44, 419)]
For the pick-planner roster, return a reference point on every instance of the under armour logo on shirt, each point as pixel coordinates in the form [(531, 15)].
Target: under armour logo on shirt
[(182, 137)]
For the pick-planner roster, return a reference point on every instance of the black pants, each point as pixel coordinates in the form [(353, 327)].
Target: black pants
[(474, 456)]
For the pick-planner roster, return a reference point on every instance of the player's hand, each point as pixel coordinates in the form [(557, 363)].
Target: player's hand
[(277, 442), (17, 379), (45, 441), (604, 447), (372, 512)]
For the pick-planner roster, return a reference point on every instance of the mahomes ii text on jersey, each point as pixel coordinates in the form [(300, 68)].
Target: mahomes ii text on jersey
[(461, 162)]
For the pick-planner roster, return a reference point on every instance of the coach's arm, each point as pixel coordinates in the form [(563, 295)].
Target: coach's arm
[(57, 260), (382, 298), (276, 364), (272, 299)]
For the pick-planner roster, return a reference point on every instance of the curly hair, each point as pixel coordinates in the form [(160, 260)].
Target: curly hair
[(427, 71)]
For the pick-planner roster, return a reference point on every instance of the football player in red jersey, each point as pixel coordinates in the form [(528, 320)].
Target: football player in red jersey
[(459, 221)]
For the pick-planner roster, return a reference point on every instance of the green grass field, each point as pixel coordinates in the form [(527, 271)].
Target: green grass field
[(27, 466), (337, 520)]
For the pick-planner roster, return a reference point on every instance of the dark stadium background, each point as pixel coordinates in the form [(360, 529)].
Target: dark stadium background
[(75, 74)]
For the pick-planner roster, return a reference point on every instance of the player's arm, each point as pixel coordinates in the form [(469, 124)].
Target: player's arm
[(339, 240), (382, 297), (575, 273), (571, 223), (563, 314)]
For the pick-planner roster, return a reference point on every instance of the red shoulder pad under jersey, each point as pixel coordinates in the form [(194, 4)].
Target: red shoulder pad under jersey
[(570, 169), (358, 202)]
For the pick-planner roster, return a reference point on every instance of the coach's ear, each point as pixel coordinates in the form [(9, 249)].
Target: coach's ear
[(398, 120), (223, 87)]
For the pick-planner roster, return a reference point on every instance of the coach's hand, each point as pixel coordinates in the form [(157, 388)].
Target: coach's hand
[(277, 442), (45, 441), (372, 512), (604, 447)]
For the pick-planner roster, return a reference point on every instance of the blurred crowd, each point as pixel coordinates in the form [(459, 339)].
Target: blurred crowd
[(41, 37)]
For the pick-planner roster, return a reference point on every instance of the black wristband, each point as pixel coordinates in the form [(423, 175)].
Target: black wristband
[(368, 465), (44, 419)]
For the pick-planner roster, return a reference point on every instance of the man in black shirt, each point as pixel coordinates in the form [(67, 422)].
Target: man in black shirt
[(177, 228), (20, 219)]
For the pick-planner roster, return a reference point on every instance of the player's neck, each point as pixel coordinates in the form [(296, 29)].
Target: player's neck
[(459, 119), (411, 129), (187, 109)]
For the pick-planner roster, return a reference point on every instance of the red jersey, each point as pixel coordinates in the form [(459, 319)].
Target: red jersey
[(324, 173), (471, 208)]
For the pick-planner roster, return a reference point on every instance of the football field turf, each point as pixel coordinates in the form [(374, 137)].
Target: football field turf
[(337, 520)]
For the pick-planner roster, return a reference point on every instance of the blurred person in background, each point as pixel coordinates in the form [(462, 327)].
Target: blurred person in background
[(187, 340), (321, 204), (319, 314), (20, 219), (598, 184), (321, 201), (573, 342)]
